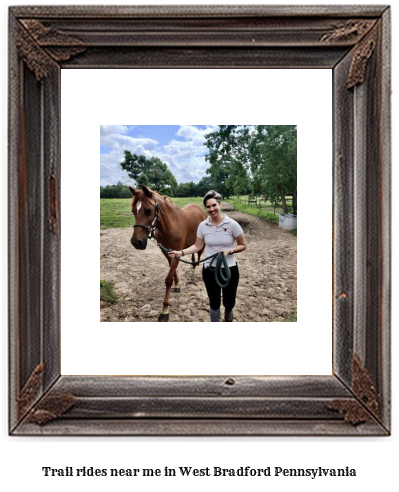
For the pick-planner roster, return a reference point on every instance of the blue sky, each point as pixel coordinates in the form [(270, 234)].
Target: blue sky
[(180, 147)]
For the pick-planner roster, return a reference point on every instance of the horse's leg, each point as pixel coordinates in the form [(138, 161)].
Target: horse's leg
[(164, 316), (175, 277), (176, 281), (196, 262)]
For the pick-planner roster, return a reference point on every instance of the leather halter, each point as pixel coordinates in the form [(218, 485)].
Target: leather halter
[(151, 228)]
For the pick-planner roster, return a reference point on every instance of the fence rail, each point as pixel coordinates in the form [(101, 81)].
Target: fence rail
[(261, 203)]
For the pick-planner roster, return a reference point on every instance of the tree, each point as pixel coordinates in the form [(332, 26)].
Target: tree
[(206, 184), (181, 190), (149, 172), (228, 157), (273, 151), (259, 159), (115, 191), (238, 180), (186, 189)]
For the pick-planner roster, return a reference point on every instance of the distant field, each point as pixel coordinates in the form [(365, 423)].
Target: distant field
[(180, 202), (116, 212)]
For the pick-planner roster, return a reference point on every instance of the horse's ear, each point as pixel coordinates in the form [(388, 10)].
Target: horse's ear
[(147, 192), (133, 191)]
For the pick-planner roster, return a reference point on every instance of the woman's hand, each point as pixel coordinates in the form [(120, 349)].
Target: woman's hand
[(174, 254), (190, 250), (226, 252)]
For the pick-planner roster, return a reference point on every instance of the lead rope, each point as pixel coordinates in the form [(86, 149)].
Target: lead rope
[(221, 269)]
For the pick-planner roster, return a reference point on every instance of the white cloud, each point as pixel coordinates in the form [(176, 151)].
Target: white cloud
[(118, 141), (190, 132), (186, 159), (110, 170), (115, 137), (110, 129), (193, 132), (185, 156)]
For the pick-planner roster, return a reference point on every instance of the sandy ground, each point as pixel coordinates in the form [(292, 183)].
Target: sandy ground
[(266, 292)]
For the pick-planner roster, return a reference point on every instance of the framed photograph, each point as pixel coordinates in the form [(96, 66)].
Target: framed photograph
[(353, 43), (268, 266), (267, 289)]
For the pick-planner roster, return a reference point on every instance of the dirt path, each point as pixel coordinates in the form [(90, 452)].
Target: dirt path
[(266, 292)]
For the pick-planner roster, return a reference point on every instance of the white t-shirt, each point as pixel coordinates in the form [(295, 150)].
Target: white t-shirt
[(220, 237)]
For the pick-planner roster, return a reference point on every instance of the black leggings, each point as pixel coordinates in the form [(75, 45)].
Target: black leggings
[(214, 291)]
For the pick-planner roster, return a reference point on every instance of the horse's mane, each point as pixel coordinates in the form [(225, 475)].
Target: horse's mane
[(157, 196), (165, 197)]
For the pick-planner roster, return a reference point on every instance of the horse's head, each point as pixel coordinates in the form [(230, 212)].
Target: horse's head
[(145, 210)]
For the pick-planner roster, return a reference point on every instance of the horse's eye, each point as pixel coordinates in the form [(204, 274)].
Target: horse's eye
[(148, 211)]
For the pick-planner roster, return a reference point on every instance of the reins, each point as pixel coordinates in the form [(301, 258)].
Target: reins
[(221, 269)]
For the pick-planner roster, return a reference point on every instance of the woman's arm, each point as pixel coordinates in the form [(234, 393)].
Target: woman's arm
[(241, 246), (199, 244)]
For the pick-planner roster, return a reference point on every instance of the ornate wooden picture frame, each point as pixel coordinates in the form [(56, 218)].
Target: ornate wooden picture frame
[(352, 41)]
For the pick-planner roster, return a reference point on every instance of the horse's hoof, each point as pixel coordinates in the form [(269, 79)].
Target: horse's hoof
[(176, 289), (163, 317)]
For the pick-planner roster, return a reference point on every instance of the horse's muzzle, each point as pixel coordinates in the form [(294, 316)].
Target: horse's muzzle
[(139, 243)]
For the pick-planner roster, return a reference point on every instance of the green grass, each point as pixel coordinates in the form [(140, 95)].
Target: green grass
[(180, 202), (259, 212), (291, 318), (116, 212), (107, 292)]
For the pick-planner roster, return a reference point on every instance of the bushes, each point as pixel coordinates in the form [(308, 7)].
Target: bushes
[(115, 191), (269, 216)]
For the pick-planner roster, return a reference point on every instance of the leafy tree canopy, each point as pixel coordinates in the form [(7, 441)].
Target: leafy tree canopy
[(228, 158), (273, 151), (115, 191), (260, 159), (149, 172)]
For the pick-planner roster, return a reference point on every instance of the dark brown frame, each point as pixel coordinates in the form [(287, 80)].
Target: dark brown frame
[(353, 41)]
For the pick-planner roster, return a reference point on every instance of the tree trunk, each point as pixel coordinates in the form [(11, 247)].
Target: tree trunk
[(283, 202), (294, 203)]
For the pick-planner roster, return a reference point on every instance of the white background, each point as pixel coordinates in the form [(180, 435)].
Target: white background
[(301, 97), (375, 459)]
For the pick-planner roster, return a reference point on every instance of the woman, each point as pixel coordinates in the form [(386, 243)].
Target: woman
[(218, 232)]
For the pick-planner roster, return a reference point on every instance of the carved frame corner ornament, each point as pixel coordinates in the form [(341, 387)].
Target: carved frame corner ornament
[(349, 31), (38, 45), (30, 391), (354, 43), (366, 406), (50, 407), (362, 55), (364, 33)]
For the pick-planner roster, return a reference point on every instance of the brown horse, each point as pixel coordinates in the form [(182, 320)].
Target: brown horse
[(173, 227)]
